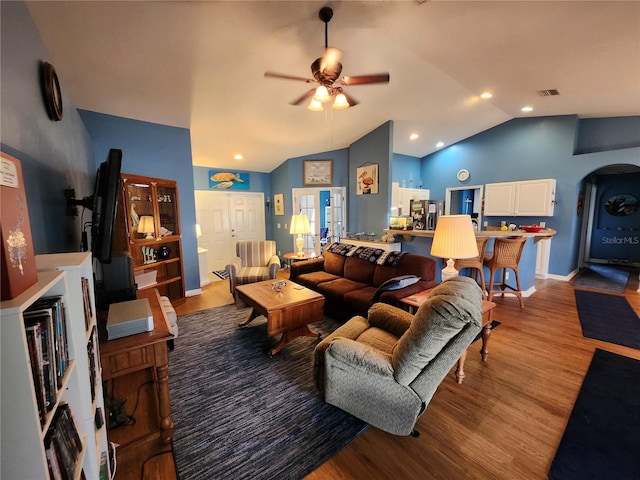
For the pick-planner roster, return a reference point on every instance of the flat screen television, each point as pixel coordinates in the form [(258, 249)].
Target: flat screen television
[(105, 205)]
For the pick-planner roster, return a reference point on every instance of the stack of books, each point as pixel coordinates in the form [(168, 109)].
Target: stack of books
[(129, 318)]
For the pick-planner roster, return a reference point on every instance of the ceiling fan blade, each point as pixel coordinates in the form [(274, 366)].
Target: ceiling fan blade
[(288, 77), (365, 79), (304, 97), (330, 58)]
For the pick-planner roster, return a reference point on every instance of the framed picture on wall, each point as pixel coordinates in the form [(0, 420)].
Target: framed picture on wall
[(317, 173), (278, 201), (367, 179)]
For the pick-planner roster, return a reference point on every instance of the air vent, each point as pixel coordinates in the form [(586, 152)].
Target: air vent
[(548, 93)]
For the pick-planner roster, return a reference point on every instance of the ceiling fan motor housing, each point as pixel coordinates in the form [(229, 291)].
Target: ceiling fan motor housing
[(329, 75)]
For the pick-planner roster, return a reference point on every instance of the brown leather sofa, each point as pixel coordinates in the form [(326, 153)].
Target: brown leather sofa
[(353, 278)]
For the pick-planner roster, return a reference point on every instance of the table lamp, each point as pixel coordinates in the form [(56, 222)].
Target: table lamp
[(299, 226), (454, 238), (146, 226)]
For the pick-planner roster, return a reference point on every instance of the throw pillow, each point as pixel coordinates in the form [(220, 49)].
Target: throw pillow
[(395, 283)]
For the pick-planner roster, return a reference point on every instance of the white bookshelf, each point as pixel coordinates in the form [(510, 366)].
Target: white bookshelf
[(78, 265), (22, 450)]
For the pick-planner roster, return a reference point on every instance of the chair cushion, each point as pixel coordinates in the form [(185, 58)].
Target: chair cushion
[(395, 283), (452, 305), (252, 274), (334, 263), (313, 279)]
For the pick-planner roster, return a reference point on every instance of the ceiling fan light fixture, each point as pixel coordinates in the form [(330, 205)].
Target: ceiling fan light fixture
[(322, 94), (315, 106), (340, 103)]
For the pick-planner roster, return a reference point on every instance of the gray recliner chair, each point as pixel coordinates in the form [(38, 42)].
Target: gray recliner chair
[(385, 369)]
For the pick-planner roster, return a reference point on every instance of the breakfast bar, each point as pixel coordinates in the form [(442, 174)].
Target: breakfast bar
[(534, 256)]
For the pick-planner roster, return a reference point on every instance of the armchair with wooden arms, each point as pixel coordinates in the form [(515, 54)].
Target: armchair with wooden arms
[(384, 369), (255, 260)]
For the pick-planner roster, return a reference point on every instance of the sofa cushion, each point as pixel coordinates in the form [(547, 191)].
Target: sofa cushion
[(449, 308), (311, 280), (358, 301), (335, 290), (334, 263), (395, 283), (359, 270)]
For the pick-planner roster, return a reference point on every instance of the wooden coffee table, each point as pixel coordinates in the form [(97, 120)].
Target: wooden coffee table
[(287, 312)]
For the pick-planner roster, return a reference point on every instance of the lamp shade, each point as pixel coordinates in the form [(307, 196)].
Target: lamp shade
[(146, 226), (454, 238), (300, 224)]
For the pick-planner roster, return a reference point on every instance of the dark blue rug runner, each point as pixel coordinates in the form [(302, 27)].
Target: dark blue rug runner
[(602, 438), (603, 277), (609, 318), (242, 415)]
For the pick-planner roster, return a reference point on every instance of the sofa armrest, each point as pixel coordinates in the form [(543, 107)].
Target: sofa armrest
[(361, 356), (306, 266), (232, 269), (392, 297), (389, 318), (274, 266)]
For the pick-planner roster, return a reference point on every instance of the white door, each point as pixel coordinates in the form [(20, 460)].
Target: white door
[(307, 201), (225, 218)]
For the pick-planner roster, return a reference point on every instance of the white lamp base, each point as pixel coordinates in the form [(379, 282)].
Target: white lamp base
[(300, 245), (449, 271)]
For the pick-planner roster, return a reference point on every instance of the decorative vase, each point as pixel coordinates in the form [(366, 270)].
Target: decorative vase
[(164, 252)]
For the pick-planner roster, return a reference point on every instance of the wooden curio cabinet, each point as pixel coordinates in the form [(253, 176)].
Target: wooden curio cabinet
[(150, 217)]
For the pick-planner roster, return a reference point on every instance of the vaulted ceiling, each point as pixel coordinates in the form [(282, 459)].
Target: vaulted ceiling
[(200, 65)]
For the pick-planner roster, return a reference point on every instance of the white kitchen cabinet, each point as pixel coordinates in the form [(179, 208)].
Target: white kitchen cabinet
[(528, 198), (401, 198)]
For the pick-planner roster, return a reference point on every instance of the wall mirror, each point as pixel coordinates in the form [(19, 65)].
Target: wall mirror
[(465, 200)]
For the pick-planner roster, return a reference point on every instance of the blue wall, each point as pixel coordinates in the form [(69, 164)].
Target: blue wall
[(54, 155), (289, 175), (370, 213), (156, 151), (528, 149)]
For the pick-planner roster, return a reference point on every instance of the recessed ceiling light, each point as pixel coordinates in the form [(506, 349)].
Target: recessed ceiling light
[(486, 95), (527, 109), (439, 144), (237, 156), (413, 136)]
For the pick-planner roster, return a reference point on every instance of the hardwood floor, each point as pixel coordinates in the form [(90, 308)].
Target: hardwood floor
[(504, 422)]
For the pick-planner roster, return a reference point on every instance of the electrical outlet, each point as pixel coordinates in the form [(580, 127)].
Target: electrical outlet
[(485, 224), (506, 276), (542, 224), (279, 252), (278, 225)]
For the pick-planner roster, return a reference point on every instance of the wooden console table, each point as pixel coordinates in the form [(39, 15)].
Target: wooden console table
[(128, 355), (413, 302)]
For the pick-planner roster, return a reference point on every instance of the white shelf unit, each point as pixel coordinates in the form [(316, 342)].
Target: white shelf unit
[(78, 265), (22, 445)]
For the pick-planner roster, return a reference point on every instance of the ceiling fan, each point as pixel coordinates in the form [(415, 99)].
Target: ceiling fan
[(326, 71)]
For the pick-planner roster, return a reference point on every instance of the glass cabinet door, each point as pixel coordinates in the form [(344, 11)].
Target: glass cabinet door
[(140, 198), (167, 210)]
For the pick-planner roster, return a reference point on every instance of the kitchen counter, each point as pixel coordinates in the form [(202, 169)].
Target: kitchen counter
[(544, 233)]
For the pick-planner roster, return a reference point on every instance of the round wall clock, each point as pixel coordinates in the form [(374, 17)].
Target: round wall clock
[(51, 91), (463, 175)]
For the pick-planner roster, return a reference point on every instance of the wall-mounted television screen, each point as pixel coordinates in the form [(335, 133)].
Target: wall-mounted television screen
[(105, 204)]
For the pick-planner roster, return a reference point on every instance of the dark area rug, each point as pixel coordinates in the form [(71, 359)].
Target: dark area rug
[(239, 414), (222, 274), (609, 318), (602, 438), (603, 277)]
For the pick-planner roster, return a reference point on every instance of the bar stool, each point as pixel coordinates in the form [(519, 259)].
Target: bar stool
[(506, 254), (475, 264)]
